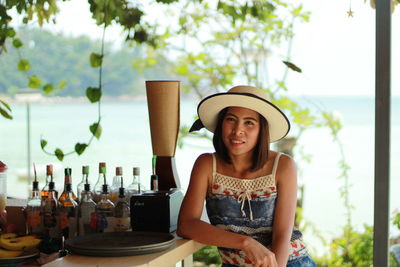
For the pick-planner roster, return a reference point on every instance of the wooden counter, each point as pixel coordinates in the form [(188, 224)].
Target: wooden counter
[(181, 250)]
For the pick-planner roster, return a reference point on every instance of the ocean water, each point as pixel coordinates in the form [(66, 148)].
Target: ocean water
[(126, 142)]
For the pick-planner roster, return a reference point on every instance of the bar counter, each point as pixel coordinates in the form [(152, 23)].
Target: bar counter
[(181, 250)]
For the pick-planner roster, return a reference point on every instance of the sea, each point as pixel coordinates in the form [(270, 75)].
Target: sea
[(126, 142)]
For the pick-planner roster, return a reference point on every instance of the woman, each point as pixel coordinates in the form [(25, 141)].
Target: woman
[(250, 191)]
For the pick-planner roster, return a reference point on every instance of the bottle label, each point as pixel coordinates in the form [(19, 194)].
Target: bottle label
[(67, 224), (122, 224), (87, 223), (33, 218), (104, 223)]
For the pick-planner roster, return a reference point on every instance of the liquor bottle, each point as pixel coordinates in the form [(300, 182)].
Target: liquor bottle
[(81, 186), (122, 212), (86, 212), (154, 177), (115, 185), (105, 212), (134, 188), (49, 212), (49, 177), (98, 187), (67, 209), (33, 210), (68, 181)]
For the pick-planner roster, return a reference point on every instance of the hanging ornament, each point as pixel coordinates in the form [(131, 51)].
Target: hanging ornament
[(350, 13)]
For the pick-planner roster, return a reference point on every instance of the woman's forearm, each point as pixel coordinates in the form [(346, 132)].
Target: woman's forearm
[(281, 251), (206, 233)]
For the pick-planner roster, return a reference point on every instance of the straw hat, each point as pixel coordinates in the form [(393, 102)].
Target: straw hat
[(242, 96)]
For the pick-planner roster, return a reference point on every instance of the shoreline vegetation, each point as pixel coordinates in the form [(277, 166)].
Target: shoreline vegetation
[(40, 99)]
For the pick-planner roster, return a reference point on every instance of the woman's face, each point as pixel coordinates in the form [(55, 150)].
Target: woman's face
[(240, 130)]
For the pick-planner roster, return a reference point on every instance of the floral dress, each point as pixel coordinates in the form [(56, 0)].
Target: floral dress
[(247, 207)]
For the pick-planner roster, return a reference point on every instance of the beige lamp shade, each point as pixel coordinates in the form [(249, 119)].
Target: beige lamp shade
[(163, 104)]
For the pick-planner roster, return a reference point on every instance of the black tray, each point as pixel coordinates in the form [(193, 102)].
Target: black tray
[(117, 244)]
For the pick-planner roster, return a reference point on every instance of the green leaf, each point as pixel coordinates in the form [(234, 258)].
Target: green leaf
[(6, 105), (62, 84), (48, 88), (43, 143), (5, 114), (59, 154), (96, 130), (34, 82), (292, 66), (11, 33), (93, 94), (17, 43), (80, 148), (96, 60), (23, 65)]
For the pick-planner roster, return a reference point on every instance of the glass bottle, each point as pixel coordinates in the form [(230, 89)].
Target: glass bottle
[(134, 188), (49, 177), (97, 189), (104, 212), (68, 181), (115, 185), (122, 212), (49, 212), (86, 212), (33, 211), (81, 186), (67, 210)]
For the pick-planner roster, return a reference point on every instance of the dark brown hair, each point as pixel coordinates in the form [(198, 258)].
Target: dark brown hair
[(261, 150)]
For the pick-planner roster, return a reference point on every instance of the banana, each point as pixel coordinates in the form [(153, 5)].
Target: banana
[(11, 242), (8, 236), (9, 254)]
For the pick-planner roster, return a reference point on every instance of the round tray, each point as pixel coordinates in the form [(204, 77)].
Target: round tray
[(117, 244), (25, 257)]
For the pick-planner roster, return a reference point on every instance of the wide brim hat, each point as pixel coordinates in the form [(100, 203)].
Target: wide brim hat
[(242, 96)]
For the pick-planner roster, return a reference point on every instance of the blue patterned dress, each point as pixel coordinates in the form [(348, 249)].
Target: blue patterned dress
[(247, 207)]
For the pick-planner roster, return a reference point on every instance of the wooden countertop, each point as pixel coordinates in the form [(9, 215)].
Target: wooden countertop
[(180, 250)]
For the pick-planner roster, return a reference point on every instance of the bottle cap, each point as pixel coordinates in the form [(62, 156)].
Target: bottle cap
[(68, 187), (35, 185), (118, 171), (68, 171), (49, 169), (105, 188), (101, 166), (121, 192), (85, 169), (3, 167), (136, 171), (87, 187), (51, 185)]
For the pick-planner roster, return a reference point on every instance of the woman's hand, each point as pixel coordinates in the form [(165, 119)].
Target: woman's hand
[(258, 254)]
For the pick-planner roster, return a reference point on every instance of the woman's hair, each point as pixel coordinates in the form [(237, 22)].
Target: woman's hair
[(261, 150)]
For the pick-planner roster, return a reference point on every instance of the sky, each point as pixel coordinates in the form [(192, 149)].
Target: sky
[(336, 52)]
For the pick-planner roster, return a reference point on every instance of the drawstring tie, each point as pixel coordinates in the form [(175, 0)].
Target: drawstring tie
[(242, 198)]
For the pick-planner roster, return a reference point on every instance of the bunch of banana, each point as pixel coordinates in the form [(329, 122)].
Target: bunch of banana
[(13, 246)]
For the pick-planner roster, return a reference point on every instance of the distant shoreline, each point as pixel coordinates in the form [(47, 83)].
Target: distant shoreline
[(81, 99)]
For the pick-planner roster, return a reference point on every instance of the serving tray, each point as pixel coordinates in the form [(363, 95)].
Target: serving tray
[(117, 244)]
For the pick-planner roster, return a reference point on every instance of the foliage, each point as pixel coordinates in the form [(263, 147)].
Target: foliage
[(66, 57), (208, 255), (104, 12), (352, 248)]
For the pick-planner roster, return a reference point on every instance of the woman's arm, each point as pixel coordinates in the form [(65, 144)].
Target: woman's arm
[(286, 181), (190, 225)]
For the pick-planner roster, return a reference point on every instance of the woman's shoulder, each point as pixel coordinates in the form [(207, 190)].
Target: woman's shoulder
[(286, 167), (204, 160), (283, 158)]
